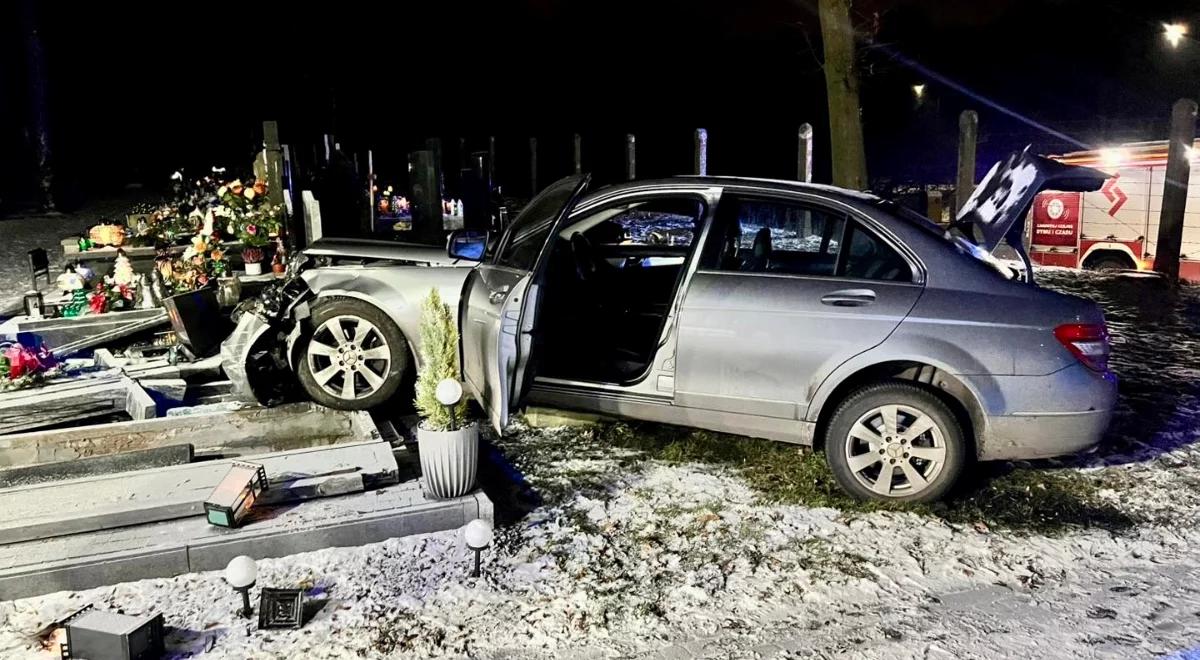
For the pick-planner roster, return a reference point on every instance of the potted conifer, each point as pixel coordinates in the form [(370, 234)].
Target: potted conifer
[(448, 442)]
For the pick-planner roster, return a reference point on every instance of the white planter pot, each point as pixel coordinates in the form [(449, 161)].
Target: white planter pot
[(449, 460), (254, 269)]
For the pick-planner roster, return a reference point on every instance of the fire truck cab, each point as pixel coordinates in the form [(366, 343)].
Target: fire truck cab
[(1115, 227)]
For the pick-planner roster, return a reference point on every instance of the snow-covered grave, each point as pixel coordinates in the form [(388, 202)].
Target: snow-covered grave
[(642, 541)]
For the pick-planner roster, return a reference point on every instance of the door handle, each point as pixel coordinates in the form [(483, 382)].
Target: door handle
[(849, 298), (498, 296)]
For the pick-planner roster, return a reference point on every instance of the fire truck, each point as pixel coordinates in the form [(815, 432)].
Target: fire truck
[(1115, 227)]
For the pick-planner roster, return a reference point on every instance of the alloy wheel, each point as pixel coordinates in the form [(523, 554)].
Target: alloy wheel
[(895, 450), (349, 357)]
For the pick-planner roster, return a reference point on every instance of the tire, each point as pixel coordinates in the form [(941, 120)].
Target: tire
[(860, 461), (376, 364), (1109, 263)]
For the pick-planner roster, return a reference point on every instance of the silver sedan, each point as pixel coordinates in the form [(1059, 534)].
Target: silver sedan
[(794, 312)]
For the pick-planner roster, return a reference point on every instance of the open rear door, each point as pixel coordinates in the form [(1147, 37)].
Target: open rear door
[(499, 301)]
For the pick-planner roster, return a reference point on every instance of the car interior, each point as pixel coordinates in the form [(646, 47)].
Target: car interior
[(767, 236), (610, 283)]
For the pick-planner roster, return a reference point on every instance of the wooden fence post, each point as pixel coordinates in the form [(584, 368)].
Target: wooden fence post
[(968, 132), (491, 162), (533, 167), (578, 154), (804, 153), (630, 157), (370, 191)]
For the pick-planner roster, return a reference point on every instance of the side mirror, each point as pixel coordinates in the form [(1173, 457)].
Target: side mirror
[(467, 244)]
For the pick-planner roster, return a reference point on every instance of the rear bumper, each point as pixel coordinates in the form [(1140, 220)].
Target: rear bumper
[(1042, 435), (1043, 416)]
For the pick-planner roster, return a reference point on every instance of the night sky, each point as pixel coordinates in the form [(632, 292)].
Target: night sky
[(141, 88)]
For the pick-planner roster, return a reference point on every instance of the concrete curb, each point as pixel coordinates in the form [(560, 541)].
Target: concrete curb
[(213, 551)]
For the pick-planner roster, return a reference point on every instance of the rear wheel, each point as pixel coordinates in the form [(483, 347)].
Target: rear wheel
[(895, 442), (354, 358)]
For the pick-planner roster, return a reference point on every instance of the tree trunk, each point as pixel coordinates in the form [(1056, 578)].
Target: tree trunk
[(39, 113), (1175, 188), (841, 86)]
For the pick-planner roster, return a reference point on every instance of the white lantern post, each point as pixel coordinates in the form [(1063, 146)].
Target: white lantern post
[(478, 536), (241, 574), (449, 392)]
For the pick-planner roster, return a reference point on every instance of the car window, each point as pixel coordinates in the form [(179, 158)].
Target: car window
[(657, 222), (959, 245), (528, 233), (761, 236), (868, 257)]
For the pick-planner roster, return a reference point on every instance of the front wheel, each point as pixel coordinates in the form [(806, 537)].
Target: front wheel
[(895, 442), (355, 357)]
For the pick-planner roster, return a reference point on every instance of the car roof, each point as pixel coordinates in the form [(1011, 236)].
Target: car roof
[(770, 185)]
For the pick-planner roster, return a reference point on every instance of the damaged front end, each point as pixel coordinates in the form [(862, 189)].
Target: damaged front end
[(255, 356)]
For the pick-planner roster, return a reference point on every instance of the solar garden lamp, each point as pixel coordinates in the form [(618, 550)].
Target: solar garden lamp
[(449, 392), (240, 574), (478, 536)]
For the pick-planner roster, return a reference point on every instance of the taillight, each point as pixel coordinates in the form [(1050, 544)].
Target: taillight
[(1088, 342)]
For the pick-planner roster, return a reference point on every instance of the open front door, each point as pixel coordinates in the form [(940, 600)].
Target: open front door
[(499, 301)]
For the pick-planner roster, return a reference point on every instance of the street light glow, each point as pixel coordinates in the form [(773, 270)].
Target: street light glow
[(918, 91), (1174, 33)]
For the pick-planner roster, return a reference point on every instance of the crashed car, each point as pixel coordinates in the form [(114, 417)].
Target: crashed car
[(795, 312), (344, 321)]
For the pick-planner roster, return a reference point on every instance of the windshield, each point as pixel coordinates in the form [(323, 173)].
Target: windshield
[(959, 244)]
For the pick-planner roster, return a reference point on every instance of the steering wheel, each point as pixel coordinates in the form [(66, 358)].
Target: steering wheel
[(585, 257)]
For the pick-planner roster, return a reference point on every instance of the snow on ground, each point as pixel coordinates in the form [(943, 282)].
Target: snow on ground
[(626, 557)]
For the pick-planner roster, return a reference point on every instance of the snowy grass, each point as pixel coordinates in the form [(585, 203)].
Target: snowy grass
[(1046, 501)]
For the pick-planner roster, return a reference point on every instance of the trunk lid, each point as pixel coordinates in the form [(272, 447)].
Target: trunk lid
[(1000, 204)]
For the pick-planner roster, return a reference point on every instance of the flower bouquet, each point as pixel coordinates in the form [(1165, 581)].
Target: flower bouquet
[(22, 367), (200, 265), (251, 218)]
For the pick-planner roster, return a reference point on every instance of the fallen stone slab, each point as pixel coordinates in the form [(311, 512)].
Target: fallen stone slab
[(72, 400), (166, 392), (66, 336), (138, 459), (252, 430), (142, 496), (175, 547)]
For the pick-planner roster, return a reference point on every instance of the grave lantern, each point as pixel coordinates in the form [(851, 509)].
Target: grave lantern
[(34, 305), (231, 500), (101, 635)]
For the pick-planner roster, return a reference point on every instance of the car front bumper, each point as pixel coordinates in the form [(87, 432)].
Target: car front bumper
[(1044, 416)]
